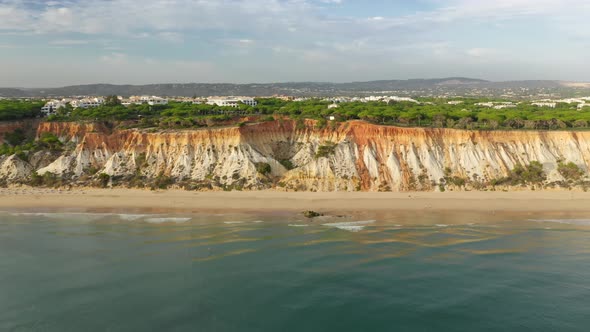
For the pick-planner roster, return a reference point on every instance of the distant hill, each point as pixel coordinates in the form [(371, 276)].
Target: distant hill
[(450, 85)]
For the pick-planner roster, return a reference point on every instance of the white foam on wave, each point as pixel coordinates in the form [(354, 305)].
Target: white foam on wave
[(89, 217), (63, 215), (351, 226), (441, 225), (579, 222), (133, 217), (298, 225), (233, 222), (165, 220)]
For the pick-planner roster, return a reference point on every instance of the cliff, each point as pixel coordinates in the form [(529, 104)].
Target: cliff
[(350, 156)]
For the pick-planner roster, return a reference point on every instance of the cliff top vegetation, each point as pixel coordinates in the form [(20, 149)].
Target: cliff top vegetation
[(438, 113)]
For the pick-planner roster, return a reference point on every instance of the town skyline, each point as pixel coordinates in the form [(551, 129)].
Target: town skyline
[(72, 42)]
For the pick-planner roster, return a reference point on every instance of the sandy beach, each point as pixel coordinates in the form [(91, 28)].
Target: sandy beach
[(261, 201)]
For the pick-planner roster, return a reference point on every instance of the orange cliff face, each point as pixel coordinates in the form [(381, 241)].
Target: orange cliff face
[(352, 156)]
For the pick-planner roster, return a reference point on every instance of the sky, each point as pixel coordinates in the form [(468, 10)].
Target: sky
[(50, 43)]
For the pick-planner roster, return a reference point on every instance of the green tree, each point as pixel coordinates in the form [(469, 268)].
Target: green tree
[(112, 101)]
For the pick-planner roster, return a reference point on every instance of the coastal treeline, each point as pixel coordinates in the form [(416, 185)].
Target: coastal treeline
[(468, 113), (19, 109), (438, 113)]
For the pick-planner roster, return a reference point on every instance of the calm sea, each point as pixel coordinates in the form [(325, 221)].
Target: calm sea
[(414, 272)]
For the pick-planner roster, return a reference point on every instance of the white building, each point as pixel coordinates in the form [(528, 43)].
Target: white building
[(545, 104), (503, 106), (153, 100), (150, 100), (455, 102), (331, 106), (52, 106), (232, 101), (87, 102)]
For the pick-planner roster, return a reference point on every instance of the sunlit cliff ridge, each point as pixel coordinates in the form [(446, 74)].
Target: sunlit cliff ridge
[(353, 156)]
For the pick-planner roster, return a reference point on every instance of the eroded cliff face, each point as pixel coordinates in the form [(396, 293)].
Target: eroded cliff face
[(349, 157)]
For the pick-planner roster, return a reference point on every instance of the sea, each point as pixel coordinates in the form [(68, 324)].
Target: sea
[(420, 271)]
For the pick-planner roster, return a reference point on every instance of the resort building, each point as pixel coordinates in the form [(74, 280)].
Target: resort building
[(153, 100), (232, 101), (503, 106), (545, 104), (87, 102), (52, 106), (150, 100)]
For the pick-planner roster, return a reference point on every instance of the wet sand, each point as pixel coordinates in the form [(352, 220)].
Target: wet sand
[(269, 201)]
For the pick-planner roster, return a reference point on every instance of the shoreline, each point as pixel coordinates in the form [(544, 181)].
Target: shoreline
[(332, 203)]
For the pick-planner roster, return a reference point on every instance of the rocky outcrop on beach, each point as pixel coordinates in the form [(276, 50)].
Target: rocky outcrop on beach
[(284, 154), (14, 169)]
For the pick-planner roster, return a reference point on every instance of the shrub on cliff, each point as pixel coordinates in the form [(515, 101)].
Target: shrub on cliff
[(570, 171), (300, 124), (532, 173), (162, 182), (263, 168), (322, 123), (46, 180), (325, 150), (288, 164), (103, 179), (16, 137), (50, 141)]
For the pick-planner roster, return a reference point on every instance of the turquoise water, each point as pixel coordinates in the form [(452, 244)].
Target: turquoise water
[(105, 272)]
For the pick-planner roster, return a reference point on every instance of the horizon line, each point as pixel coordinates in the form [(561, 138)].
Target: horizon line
[(299, 82)]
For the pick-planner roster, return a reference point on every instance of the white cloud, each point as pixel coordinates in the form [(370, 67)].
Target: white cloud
[(263, 32), (480, 52), (116, 68), (115, 58), (173, 20), (68, 42)]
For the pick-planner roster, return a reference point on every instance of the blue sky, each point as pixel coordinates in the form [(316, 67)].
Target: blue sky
[(45, 43)]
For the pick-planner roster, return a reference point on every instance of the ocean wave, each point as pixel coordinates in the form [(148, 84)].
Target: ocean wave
[(579, 222), (63, 215), (133, 217), (233, 222), (165, 220), (85, 216), (351, 226), (298, 225)]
